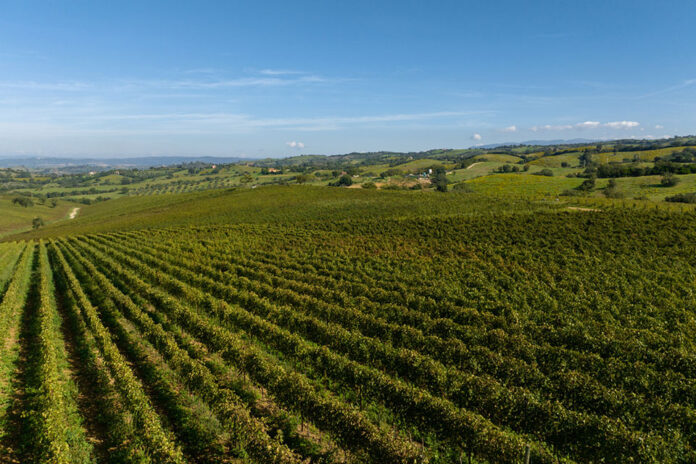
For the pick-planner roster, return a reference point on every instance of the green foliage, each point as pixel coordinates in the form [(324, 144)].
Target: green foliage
[(439, 178), (22, 201), (391, 173), (302, 178), (669, 180), (612, 190), (682, 198), (344, 181), (587, 185), (295, 324), (463, 187)]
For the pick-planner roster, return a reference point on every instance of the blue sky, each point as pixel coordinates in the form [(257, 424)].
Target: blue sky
[(281, 78)]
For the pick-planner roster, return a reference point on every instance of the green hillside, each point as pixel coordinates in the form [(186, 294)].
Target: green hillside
[(505, 306)]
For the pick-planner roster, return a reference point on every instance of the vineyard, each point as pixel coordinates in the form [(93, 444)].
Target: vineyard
[(548, 336)]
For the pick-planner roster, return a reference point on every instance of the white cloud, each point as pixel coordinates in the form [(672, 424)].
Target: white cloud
[(294, 144), (278, 72), (476, 137), (622, 124), (659, 126), (587, 125), (549, 127), (512, 128)]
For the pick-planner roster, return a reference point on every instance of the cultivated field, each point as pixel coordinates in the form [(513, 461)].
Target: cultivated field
[(483, 335)]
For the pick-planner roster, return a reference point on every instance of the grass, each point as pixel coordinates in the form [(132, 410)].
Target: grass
[(498, 158), (272, 204), (15, 218), (522, 184), (645, 155), (650, 187), (481, 168), (556, 161)]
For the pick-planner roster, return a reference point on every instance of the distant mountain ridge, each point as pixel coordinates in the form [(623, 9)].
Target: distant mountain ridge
[(36, 162)]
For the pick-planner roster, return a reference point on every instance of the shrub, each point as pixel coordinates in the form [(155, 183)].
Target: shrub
[(669, 180), (587, 185), (611, 190), (544, 172), (344, 181), (682, 198), (463, 187), (22, 201)]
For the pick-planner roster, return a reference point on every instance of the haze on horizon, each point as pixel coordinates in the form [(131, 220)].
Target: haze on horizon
[(282, 78)]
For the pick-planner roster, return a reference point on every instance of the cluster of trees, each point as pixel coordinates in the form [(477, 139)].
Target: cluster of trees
[(23, 201), (344, 181), (687, 155), (634, 170)]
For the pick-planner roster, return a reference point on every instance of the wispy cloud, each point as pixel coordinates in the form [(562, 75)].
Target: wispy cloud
[(279, 72), (682, 85), (512, 128), (220, 122), (622, 124), (206, 81), (587, 125), (203, 84), (550, 127), (476, 137), (294, 144), (69, 86)]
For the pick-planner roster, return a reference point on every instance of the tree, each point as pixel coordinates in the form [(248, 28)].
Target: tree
[(37, 222), (246, 178), (585, 158), (439, 179), (612, 190), (22, 201), (587, 185), (301, 178), (669, 180), (344, 181)]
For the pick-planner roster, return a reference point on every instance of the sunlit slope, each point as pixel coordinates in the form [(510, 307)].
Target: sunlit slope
[(269, 205), (15, 218)]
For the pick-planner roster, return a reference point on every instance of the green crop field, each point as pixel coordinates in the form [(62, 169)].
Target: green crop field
[(225, 314), (314, 324)]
